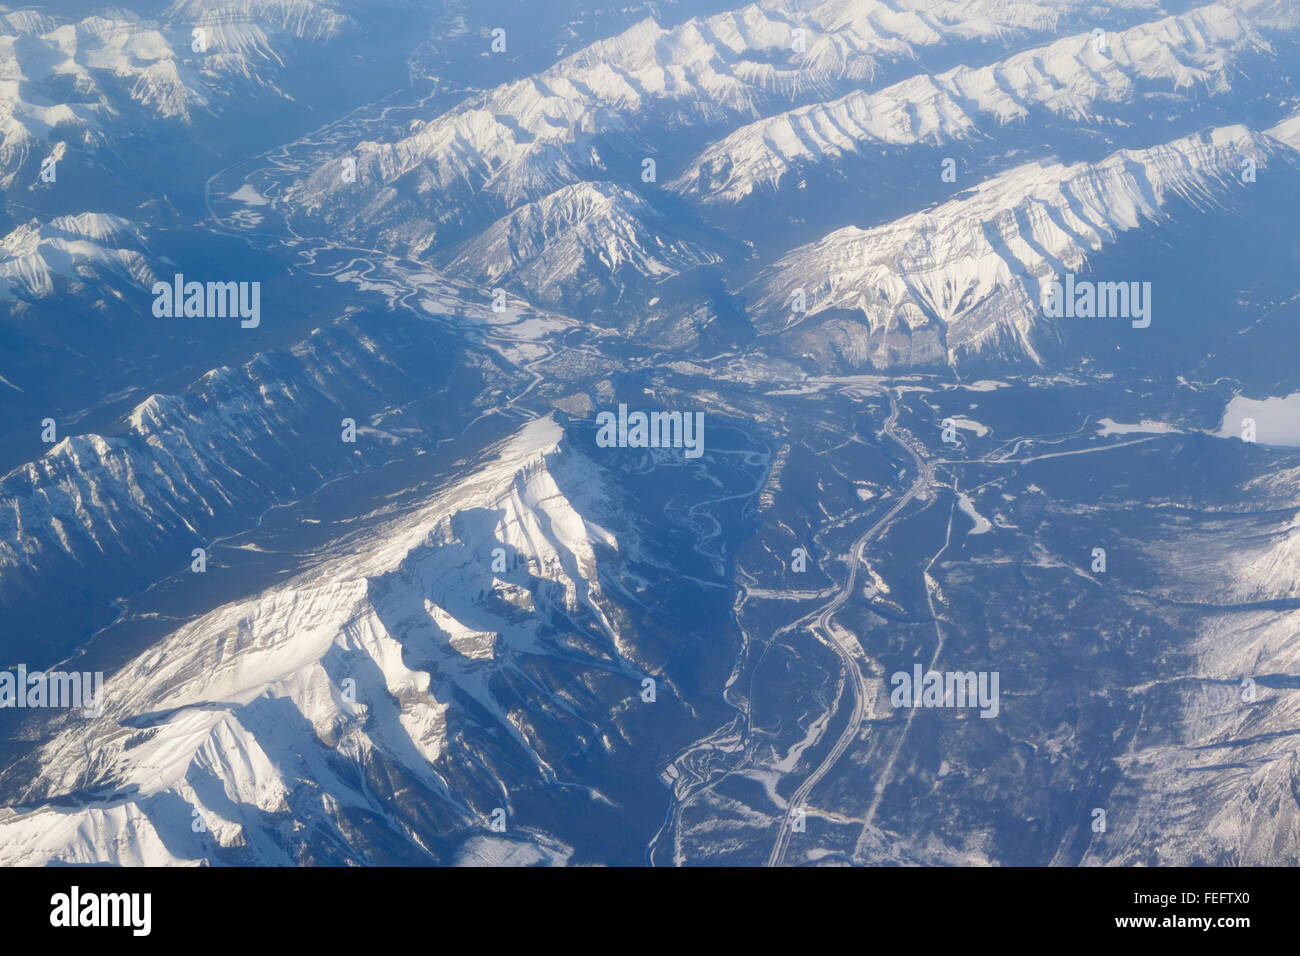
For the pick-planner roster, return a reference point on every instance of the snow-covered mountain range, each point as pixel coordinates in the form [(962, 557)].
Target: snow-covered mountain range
[(970, 276), (525, 139), (578, 248), (88, 249), (390, 576), (95, 82), (319, 699), (1078, 79)]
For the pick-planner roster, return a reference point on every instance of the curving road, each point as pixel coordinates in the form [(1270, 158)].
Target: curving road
[(924, 476)]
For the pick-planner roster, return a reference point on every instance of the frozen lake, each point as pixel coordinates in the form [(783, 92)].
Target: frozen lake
[(1277, 420)]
